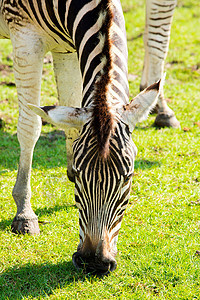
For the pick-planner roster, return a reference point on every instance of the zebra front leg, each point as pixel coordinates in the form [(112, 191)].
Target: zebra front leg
[(159, 16), (69, 86), (28, 53)]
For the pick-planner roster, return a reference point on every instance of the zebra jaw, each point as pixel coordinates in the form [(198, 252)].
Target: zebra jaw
[(132, 113)]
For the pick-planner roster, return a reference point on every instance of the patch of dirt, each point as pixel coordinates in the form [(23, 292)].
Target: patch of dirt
[(197, 123), (196, 67), (197, 202), (174, 62), (5, 69), (135, 37), (4, 101), (4, 119), (127, 9), (186, 129), (48, 59), (132, 77), (54, 135), (9, 57)]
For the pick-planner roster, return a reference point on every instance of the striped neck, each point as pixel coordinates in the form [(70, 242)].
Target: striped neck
[(102, 53)]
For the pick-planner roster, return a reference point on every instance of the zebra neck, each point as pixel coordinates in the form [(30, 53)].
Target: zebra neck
[(93, 25), (102, 53)]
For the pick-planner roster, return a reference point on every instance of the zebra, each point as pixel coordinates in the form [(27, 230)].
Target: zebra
[(88, 44)]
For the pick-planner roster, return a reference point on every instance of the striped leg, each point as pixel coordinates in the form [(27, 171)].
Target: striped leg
[(156, 42), (69, 85), (28, 52)]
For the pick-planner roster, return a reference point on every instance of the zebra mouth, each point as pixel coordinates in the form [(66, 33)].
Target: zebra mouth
[(93, 264)]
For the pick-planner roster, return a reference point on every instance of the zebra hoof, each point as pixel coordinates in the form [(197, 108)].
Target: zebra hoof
[(166, 120), (24, 226)]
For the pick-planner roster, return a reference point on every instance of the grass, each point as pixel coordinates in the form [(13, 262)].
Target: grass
[(159, 240)]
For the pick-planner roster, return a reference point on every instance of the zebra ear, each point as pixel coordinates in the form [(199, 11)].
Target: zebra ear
[(62, 116), (139, 108)]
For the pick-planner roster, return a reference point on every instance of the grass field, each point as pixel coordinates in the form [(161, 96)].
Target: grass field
[(159, 242)]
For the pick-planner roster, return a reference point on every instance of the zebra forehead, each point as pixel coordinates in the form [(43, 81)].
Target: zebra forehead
[(120, 160)]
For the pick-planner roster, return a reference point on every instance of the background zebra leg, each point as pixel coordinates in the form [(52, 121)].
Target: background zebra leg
[(28, 52), (159, 16), (69, 86)]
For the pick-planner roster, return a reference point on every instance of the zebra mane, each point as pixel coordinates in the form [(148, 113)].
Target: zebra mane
[(102, 117)]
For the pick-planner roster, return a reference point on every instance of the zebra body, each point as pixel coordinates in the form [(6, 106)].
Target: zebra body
[(88, 43)]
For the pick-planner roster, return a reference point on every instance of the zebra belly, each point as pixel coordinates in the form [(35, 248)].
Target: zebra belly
[(4, 31), (16, 16)]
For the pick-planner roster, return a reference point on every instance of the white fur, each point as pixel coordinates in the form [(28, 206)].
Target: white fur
[(139, 108), (63, 116)]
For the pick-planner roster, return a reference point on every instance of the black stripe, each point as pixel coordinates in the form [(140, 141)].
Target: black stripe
[(88, 48), (158, 19), (73, 10), (52, 29), (34, 12), (89, 91), (160, 42), (81, 223), (158, 33), (24, 8), (51, 13), (95, 62), (163, 11), (160, 26), (62, 11), (156, 48), (120, 94), (163, 5), (77, 198), (87, 21)]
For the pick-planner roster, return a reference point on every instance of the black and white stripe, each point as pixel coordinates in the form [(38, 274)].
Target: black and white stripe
[(159, 18), (78, 26), (102, 187)]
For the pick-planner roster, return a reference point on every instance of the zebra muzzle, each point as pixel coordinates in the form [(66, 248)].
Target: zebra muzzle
[(94, 264)]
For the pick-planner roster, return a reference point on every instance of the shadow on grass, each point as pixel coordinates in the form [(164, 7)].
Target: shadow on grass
[(50, 210), (49, 151), (143, 164), (37, 280), (5, 224)]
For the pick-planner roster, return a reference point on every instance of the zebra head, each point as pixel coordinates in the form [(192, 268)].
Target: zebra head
[(102, 178)]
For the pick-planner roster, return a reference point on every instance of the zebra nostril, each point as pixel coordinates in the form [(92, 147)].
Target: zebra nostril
[(77, 261), (93, 265), (113, 265)]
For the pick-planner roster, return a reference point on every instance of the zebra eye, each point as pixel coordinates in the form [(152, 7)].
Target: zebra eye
[(127, 177)]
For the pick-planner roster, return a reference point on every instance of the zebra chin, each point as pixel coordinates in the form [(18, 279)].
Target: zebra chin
[(94, 264)]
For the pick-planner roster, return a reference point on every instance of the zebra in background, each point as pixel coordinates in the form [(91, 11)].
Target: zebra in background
[(159, 14), (102, 161)]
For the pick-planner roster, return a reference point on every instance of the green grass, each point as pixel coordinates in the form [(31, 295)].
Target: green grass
[(160, 234)]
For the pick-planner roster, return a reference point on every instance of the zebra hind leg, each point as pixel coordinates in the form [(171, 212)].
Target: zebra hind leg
[(28, 52), (156, 42), (69, 87)]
